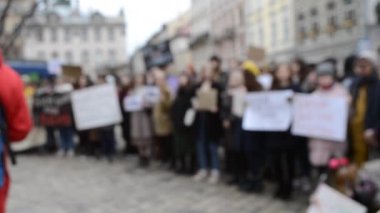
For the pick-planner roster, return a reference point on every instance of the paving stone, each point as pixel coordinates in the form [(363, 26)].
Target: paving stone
[(85, 185)]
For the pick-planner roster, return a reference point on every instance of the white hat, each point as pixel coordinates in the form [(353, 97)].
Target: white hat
[(368, 55)]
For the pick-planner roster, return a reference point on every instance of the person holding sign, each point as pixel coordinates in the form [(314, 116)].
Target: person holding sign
[(253, 141), (365, 120), (322, 150), (282, 144), (209, 128), (141, 126), (161, 121), (235, 158)]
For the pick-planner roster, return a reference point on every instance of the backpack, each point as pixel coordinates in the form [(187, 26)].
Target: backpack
[(4, 145)]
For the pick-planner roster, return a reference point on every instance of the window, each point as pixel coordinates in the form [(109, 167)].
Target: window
[(40, 34), (301, 17), (316, 29), (112, 57), (274, 33), (351, 16), (53, 34), (68, 57), (302, 33), (41, 55), (286, 29), (332, 21), (85, 56), (111, 34), (67, 35), (97, 34), (84, 34), (54, 55), (331, 5), (347, 1), (314, 12)]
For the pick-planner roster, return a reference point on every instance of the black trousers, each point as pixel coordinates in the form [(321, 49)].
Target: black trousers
[(164, 148), (283, 165)]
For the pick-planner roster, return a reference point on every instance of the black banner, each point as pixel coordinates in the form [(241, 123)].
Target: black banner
[(157, 55), (52, 110)]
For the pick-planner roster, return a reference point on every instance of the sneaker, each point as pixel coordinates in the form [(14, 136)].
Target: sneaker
[(200, 176), (70, 154), (61, 153), (214, 177)]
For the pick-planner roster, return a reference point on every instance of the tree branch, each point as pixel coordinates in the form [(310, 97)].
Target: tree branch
[(17, 31), (4, 15)]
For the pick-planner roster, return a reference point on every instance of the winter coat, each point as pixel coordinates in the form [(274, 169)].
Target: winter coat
[(282, 140), (141, 121), (16, 112), (179, 108), (161, 114), (320, 151), (208, 124)]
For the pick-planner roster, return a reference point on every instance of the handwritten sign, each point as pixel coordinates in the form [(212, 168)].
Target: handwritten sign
[(268, 111), (321, 117), (152, 94), (133, 103), (52, 110), (96, 106), (326, 199), (207, 100)]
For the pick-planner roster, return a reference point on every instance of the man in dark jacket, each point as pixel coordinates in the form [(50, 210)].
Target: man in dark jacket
[(365, 111), (16, 117)]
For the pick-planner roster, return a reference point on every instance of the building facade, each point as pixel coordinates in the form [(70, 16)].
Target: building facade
[(94, 42), (329, 28), (228, 24), (201, 26), (270, 26)]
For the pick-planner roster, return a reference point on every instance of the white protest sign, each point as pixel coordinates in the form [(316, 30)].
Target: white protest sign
[(152, 94), (328, 200), (96, 106), (268, 111), (321, 117), (133, 103)]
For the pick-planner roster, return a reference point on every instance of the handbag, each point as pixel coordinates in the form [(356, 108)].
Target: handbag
[(189, 117)]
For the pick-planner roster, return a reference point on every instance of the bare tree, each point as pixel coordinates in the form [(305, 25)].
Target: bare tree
[(4, 15), (7, 46)]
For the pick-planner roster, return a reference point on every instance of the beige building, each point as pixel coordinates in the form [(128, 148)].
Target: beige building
[(227, 32), (270, 25), (328, 28), (93, 41), (201, 25)]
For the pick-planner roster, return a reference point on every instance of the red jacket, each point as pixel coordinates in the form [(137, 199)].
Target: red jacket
[(12, 100), (18, 120)]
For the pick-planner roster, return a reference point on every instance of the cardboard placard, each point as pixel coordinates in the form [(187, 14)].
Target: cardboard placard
[(268, 111), (96, 106), (320, 117)]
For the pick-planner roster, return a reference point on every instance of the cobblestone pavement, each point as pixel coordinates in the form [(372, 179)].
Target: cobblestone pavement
[(78, 185)]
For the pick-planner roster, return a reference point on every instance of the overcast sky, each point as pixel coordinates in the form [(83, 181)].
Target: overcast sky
[(144, 17)]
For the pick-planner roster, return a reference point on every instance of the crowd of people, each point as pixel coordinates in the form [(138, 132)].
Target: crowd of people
[(204, 142)]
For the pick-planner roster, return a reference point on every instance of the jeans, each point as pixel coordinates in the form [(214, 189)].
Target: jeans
[(108, 141), (67, 138), (205, 150), (50, 137)]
